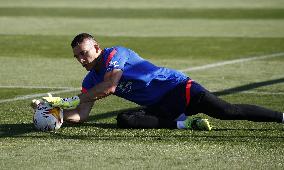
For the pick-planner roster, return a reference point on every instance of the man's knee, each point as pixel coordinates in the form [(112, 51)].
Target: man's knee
[(123, 120), (129, 119)]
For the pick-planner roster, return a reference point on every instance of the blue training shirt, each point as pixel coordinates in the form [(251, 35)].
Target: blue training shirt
[(142, 82)]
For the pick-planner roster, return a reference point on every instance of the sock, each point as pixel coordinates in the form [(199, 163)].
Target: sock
[(283, 118), (181, 117), (180, 125)]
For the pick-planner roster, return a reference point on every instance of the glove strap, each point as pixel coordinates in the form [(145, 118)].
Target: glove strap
[(70, 102)]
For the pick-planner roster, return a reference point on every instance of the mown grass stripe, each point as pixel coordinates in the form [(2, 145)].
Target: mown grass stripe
[(38, 95), (263, 93), (141, 4), (154, 48), (143, 27), (223, 63), (145, 13), (37, 87)]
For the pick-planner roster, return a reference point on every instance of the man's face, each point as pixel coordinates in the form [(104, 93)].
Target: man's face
[(86, 53)]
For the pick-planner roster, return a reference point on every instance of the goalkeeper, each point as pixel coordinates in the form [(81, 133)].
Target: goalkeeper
[(169, 97)]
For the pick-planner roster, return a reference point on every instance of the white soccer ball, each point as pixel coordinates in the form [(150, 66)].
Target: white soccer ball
[(47, 118)]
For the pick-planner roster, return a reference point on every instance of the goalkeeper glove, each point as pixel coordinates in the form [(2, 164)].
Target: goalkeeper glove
[(63, 103), (35, 103)]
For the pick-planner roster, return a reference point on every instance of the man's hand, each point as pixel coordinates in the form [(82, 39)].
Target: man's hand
[(64, 103)]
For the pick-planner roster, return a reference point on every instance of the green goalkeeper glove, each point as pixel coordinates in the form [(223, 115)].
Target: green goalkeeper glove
[(63, 103)]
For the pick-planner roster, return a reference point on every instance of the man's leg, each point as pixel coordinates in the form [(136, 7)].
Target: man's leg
[(140, 119), (213, 106)]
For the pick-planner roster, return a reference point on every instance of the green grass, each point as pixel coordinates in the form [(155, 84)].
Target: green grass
[(142, 4), (218, 48), (35, 52), (148, 27), (145, 13), (6, 93)]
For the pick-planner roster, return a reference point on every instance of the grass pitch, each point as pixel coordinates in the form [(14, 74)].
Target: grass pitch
[(36, 58)]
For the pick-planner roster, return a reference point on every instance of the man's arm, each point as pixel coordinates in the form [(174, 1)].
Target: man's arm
[(104, 88), (80, 114)]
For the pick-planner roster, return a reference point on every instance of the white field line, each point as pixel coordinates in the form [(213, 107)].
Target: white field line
[(263, 93), (38, 95), (207, 66), (36, 87), (255, 92), (218, 64)]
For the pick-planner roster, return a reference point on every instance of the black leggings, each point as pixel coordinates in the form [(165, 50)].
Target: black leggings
[(206, 103)]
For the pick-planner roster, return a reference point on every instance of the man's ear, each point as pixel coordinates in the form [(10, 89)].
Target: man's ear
[(97, 47)]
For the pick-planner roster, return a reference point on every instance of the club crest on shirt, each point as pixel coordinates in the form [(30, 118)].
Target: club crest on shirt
[(112, 65)]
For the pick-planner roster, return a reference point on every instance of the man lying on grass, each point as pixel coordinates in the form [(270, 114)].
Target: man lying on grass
[(169, 97)]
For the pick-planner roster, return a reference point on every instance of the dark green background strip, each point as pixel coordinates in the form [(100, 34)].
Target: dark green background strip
[(146, 13)]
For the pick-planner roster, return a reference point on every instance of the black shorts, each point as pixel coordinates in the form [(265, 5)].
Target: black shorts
[(177, 101)]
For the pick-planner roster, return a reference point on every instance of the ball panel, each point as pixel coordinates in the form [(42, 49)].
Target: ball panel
[(47, 118)]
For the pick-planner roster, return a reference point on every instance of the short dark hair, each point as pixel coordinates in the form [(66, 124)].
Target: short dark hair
[(80, 38)]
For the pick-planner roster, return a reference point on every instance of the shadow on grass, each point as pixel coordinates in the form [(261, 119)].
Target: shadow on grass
[(92, 124), (248, 87), (10, 130), (112, 133), (22, 130), (13, 130), (112, 114), (231, 135), (196, 136), (18, 130)]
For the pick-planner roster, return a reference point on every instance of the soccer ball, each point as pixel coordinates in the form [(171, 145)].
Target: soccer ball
[(47, 118)]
